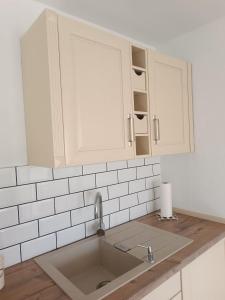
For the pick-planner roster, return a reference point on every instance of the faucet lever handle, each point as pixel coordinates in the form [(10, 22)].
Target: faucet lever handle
[(143, 246)]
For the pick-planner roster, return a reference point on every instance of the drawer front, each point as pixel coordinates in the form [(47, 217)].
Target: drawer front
[(141, 123), (167, 290), (139, 80)]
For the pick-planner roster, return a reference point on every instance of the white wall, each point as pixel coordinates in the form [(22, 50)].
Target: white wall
[(199, 178), (15, 17)]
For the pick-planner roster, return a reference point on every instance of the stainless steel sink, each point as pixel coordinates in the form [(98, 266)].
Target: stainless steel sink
[(95, 267)]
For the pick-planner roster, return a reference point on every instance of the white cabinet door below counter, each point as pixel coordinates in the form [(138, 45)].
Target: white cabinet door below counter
[(204, 278), (167, 290)]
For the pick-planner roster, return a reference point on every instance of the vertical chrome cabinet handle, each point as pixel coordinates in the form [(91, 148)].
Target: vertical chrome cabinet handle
[(131, 129), (156, 129)]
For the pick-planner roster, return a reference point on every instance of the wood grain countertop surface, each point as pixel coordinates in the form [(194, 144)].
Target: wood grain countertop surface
[(27, 281)]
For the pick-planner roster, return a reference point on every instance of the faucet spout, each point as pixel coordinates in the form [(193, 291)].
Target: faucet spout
[(150, 255), (98, 214)]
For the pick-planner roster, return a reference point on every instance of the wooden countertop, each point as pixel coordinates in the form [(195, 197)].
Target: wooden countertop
[(27, 281)]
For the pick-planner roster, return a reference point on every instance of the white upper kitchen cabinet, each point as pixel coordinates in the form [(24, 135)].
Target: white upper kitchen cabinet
[(92, 96), (170, 104), (77, 92)]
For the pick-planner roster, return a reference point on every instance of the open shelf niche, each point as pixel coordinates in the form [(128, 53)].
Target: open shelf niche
[(142, 145), (140, 101), (138, 57)]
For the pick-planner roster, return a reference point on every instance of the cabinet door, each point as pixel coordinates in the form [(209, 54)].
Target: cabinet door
[(167, 290), (96, 93), (169, 104), (204, 278)]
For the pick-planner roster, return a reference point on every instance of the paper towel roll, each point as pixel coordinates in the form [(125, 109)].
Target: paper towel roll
[(2, 277), (166, 200)]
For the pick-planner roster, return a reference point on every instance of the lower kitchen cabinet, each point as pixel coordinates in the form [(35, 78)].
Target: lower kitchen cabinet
[(204, 278), (166, 291)]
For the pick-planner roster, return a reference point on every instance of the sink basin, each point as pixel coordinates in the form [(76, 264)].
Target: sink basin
[(94, 264), (90, 269), (95, 267)]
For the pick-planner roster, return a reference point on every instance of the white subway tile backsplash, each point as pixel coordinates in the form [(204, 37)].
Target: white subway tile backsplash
[(119, 217), (54, 223), (8, 217), (138, 211), (69, 202), (156, 169), (136, 185), (153, 206), (152, 182), (127, 174), (110, 206), (81, 183), (156, 204), (116, 165), (70, 235), (145, 171), (36, 210), (90, 169), (136, 162), (145, 196), (7, 177), (152, 160), (89, 196), (157, 181), (11, 255), (42, 209), (91, 226), (51, 189), (128, 201), (156, 192), (150, 206), (118, 190), (149, 182), (106, 178), (82, 215), (17, 195), (28, 174), (17, 234), (67, 172), (38, 246)]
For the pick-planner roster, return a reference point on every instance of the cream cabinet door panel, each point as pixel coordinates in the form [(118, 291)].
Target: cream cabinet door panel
[(204, 278), (167, 290), (169, 104), (96, 93)]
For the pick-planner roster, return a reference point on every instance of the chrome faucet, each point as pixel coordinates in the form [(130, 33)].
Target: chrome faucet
[(150, 255), (98, 213)]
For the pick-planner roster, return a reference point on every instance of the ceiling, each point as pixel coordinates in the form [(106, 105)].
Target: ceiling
[(148, 21)]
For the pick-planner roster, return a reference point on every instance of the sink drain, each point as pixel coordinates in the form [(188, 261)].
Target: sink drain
[(102, 283)]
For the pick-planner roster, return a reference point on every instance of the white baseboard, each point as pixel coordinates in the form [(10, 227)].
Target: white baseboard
[(199, 215)]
